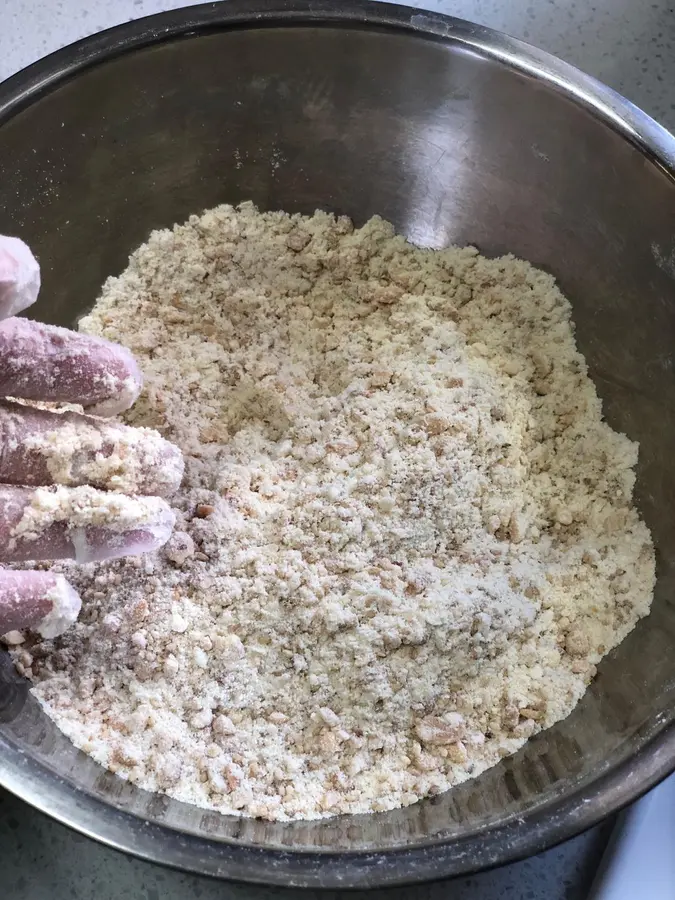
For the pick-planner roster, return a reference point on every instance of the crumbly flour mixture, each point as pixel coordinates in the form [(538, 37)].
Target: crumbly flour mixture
[(405, 536)]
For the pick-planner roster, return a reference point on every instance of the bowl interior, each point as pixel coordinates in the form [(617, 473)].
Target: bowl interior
[(452, 147)]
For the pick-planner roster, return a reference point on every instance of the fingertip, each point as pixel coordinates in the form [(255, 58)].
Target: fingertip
[(153, 528), (40, 601), (123, 380), (19, 276), (66, 606), (137, 543)]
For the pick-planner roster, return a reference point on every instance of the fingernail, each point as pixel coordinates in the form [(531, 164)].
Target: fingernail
[(91, 544)]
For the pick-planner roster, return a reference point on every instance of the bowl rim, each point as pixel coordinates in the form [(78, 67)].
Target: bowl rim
[(534, 831)]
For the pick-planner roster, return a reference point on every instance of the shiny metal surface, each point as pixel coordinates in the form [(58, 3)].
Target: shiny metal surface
[(456, 134)]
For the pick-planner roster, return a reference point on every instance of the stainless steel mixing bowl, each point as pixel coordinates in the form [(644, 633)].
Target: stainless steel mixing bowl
[(456, 134)]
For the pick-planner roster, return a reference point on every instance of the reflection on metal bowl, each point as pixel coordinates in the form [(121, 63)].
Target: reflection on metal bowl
[(455, 134)]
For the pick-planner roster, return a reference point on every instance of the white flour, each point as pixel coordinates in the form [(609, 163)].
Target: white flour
[(405, 536)]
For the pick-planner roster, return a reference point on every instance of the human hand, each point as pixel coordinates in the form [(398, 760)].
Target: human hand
[(65, 477)]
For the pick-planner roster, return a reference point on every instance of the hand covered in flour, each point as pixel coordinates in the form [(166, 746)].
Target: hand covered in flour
[(72, 486)]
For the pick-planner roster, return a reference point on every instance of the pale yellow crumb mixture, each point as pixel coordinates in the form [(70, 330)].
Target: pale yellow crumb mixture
[(405, 535)]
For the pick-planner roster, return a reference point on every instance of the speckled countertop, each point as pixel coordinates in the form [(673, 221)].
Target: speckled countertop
[(630, 45)]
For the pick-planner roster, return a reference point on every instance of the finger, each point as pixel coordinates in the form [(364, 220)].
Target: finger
[(41, 601), (41, 447), (19, 277), (79, 523), (43, 362)]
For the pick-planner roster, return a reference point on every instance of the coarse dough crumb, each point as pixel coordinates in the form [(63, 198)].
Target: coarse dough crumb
[(406, 536)]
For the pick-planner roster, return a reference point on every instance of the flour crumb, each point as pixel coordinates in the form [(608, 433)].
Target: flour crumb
[(405, 537)]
